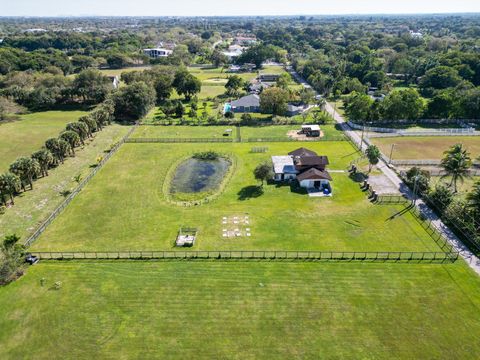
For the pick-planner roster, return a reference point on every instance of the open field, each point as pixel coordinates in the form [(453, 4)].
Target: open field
[(32, 207), (24, 136), (236, 310), (425, 147), (279, 131), (125, 208), (179, 131)]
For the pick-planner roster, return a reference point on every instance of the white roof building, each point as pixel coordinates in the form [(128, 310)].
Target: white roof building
[(157, 52), (283, 165)]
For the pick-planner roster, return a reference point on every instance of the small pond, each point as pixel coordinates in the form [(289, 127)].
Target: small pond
[(195, 175)]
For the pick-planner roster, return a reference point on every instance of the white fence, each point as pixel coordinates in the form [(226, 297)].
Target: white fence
[(470, 131)]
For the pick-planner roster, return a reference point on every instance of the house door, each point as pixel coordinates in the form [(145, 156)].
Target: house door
[(316, 184), (282, 177)]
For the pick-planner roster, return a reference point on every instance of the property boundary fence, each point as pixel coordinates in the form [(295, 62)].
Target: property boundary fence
[(285, 139), (75, 192), (231, 140), (427, 132), (179, 140), (249, 255)]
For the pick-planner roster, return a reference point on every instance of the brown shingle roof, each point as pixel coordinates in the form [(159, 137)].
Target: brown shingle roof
[(302, 152), (314, 174), (311, 161)]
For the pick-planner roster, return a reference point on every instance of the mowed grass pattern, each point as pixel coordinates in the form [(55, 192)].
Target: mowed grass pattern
[(237, 310), (124, 208), (425, 147), (24, 136)]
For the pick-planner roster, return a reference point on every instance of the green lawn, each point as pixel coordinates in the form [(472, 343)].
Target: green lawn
[(178, 131), (237, 310), (32, 207), (124, 207), (425, 147), (22, 137), (278, 131)]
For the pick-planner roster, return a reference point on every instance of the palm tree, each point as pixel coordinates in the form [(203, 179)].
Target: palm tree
[(91, 124), (53, 146), (473, 198), (80, 128), (373, 155), (9, 185), (26, 169), (45, 159), (64, 148), (456, 164), (72, 138)]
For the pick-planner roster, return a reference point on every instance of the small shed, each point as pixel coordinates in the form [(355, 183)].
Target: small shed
[(310, 130), (186, 237)]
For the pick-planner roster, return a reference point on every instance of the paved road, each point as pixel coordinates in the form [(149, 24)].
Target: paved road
[(472, 260)]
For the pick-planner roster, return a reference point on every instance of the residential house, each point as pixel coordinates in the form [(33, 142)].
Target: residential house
[(305, 166), (249, 103), (157, 52)]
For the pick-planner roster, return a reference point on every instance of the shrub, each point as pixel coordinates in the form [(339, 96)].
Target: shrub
[(206, 155)]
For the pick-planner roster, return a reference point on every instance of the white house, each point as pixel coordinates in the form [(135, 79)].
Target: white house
[(307, 168), (157, 52), (284, 168)]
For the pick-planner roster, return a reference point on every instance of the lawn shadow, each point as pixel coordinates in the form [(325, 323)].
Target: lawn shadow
[(400, 213), (250, 192)]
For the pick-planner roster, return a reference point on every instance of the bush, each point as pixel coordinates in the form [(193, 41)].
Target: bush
[(206, 155)]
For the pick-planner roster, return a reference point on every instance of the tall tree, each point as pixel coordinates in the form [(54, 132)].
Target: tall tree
[(26, 169), (72, 138), (263, 172), (234, 83), (9, 185), (473, 198), (186, 84), (92, 86), (373, 155), (456, 163), (274, 101), (45, 160)]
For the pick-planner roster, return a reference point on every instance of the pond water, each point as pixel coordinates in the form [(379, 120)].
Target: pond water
[(194, 175)]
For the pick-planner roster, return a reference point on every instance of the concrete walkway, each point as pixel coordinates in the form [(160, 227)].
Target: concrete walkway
[(472, 260)]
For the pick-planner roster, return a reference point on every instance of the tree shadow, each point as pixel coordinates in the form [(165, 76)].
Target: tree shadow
[(250, 192)]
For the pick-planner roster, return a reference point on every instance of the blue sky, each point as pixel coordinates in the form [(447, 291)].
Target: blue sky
[(230, 7)]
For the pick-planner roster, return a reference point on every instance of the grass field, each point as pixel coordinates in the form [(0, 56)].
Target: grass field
[(32, 207), (178, 131), (22, 137), (188, 310), (273, 131), (463, 187), (108, 215), (425, 147)]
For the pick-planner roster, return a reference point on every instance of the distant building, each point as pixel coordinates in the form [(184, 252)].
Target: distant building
[(157, 52), (416, 34), (268, 77), (245, 40), (234, 51)]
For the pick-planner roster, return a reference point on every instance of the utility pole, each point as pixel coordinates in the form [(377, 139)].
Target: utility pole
[(391, 154), (415, 190)]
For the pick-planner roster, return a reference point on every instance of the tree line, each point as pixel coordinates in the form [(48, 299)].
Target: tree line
[(26, 169)]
